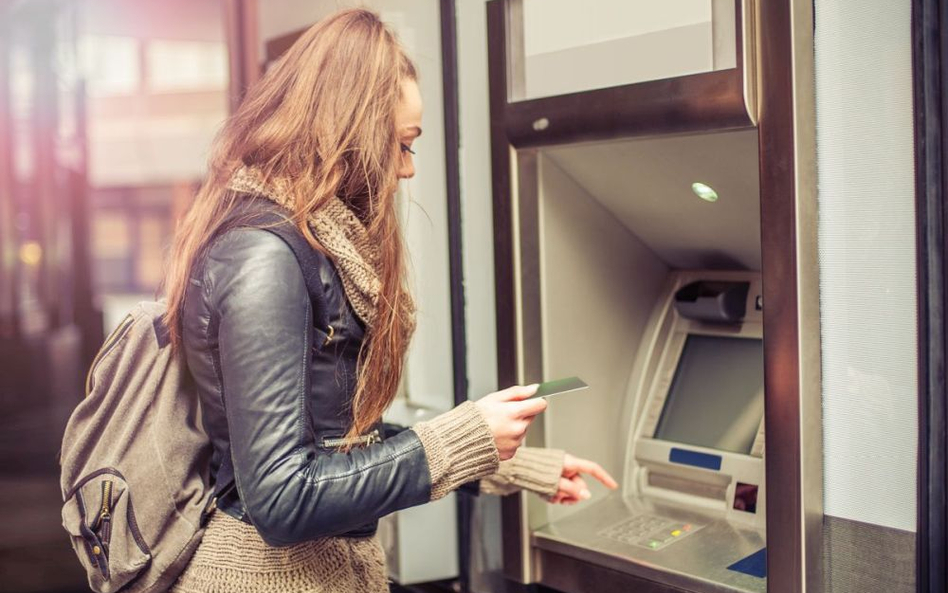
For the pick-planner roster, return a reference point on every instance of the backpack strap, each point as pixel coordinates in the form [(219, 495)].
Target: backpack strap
[(267, 216)]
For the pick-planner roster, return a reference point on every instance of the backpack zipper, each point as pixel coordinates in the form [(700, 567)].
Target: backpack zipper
[(106, 512), (105, 516), (113, 339), (130, 512), (102, 528), (366, 439)]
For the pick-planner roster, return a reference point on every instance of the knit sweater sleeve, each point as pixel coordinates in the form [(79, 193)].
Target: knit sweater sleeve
[(459, 446), (535, 469)]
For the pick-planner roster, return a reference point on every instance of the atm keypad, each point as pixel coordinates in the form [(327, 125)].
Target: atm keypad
[(649, 531)]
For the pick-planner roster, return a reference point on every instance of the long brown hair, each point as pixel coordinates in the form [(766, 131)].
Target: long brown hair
[(322, 122)]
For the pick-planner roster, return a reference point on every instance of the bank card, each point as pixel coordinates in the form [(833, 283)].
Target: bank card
[(559, 386)]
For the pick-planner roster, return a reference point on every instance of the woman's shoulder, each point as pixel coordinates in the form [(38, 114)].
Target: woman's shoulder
[(248, 258), (249, 243)]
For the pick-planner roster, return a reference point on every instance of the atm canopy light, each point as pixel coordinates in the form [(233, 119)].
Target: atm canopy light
[(705, 192)]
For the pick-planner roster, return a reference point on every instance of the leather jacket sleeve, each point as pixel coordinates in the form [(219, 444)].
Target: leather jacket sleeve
[(292, 491)]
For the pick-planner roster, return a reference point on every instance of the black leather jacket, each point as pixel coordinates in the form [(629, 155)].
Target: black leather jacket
[(275, 392)]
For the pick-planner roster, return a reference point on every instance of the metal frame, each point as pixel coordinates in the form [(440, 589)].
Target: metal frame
[(930, 73), (514, 540), (793, 414), (710, 101), (452, 154)]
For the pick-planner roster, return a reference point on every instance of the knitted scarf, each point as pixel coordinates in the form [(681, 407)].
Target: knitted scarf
[(343, 235)]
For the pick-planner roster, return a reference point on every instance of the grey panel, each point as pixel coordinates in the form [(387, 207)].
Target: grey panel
[(864, 558), (672, 52)]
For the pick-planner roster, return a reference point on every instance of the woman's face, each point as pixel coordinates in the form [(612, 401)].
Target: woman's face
[(408, 126)]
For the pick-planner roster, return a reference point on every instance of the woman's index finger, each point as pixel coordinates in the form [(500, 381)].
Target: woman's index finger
[(595, 470), (530, 407)]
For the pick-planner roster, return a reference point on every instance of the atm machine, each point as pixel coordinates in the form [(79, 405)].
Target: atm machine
[(691, 509), (641, 217)]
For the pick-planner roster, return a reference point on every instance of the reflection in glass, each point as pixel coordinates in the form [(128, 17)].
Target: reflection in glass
[(568, 48)]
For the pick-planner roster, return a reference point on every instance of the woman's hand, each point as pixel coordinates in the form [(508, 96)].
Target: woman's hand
[(509, 416), (572, 488)]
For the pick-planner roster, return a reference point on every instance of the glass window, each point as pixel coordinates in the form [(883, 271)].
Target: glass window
[(570, 47)]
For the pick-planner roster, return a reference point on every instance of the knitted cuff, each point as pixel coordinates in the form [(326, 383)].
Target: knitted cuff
[(532, 468), (459, 446)]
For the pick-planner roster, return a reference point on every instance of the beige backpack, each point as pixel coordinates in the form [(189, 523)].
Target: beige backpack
[(135, 461)]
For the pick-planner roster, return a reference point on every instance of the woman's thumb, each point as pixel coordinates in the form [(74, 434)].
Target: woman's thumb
[(575, 488), (570, 489), (517, 392)]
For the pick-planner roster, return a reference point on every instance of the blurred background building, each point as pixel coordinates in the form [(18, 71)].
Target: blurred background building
[(107, 112)]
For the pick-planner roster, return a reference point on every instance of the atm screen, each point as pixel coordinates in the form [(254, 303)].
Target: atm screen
[(716, 399)]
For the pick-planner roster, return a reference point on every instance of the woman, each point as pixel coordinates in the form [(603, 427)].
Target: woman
[(293, 410)]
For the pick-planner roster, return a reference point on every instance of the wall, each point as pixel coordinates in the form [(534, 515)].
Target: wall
[(867, 292), (867, 260)]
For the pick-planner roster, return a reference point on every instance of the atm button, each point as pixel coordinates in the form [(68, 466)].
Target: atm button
[(676, 533), (687, 527)]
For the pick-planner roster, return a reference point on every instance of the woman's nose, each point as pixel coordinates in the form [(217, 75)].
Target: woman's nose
[(406, 171)]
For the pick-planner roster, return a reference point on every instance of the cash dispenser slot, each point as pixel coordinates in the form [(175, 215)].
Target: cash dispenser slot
[(714, 302)]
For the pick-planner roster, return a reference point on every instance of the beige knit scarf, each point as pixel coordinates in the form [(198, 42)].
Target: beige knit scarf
[(342, 234)]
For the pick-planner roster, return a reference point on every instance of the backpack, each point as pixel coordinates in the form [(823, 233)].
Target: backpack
[(135, 458)]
